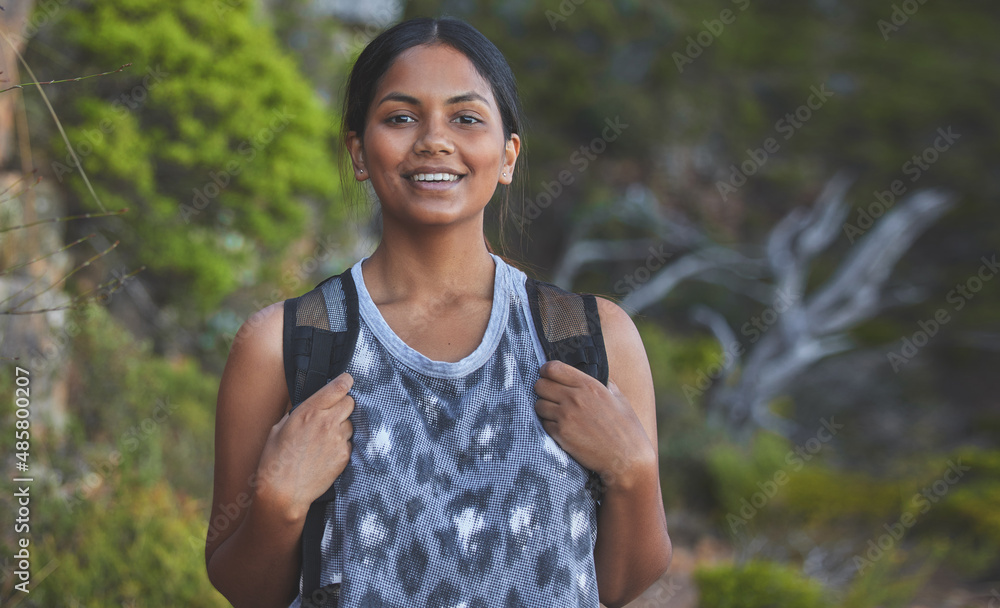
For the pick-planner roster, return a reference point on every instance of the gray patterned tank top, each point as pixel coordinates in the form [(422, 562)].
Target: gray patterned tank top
[(455, 496)]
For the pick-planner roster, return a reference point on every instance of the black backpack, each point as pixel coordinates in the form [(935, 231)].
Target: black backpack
[(568, 327)]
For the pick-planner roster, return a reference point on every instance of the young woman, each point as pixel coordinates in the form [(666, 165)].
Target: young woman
[(460, 456)]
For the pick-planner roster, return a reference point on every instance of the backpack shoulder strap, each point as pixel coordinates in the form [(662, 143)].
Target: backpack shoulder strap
[(315, 352), (569, 327), (318, 338)]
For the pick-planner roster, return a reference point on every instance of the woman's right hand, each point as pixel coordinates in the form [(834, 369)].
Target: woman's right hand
[(307, 449)]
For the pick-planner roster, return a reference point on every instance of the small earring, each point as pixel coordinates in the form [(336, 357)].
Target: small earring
[(361, 170), (505, 175)]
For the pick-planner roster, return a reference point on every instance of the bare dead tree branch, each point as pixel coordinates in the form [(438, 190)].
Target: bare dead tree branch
[(806, 327), (814, 327)]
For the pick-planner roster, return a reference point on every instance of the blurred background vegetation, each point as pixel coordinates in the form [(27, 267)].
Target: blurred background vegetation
[(221, 140)]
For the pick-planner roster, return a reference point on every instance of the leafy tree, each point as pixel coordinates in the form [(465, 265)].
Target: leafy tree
[(211, 138)]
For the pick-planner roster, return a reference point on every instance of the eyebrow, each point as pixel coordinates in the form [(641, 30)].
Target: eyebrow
[(464, 97)]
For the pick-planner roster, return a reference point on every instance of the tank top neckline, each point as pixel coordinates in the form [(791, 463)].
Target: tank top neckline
[(416, 360)]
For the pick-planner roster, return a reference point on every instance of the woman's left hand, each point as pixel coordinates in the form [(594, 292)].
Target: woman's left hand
[(593, 423)]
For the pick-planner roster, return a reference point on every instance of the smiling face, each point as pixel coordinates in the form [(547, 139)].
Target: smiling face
[(433, 144)]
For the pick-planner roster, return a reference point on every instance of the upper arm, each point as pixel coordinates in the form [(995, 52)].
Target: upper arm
[(252, 397), (628, 365)]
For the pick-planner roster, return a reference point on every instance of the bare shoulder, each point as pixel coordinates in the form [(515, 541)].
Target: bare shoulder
[(621, 337), (262, 328), (256, 356), (628, 365)]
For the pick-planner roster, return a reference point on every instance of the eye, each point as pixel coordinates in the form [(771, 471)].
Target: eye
[(468, 119), (399, 119)]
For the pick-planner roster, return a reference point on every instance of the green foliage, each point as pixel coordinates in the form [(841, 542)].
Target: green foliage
[(822, 495), (772, 482), (212, 139), (134, 404), (128, 543), (116, 521), (678, 362), (736, 470), (213, 79), (889, 582), (757, 584), (968, 512)]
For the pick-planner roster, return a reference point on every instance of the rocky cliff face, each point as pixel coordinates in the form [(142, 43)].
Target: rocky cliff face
[(33, 336)]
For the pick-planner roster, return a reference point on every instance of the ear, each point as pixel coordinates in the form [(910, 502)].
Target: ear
[(511, 149), (356, 149)]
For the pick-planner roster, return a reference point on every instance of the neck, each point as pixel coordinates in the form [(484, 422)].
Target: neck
[(429, 263)]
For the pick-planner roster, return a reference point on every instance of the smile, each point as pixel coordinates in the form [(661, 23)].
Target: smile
[(435, 177)]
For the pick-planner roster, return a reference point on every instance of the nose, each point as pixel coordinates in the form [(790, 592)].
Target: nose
[(434, 138)]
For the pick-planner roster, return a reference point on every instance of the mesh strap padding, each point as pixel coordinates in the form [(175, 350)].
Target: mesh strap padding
[(314, 354), (569, 327)]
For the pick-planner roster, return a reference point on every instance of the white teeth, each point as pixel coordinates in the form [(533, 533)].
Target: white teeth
[(434, 177)]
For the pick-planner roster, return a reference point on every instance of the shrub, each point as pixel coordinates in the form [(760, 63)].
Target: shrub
[(212, 139), (757, 584), (128, 544)]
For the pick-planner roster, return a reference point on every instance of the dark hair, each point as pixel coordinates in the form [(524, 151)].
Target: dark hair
[(376, 58)]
